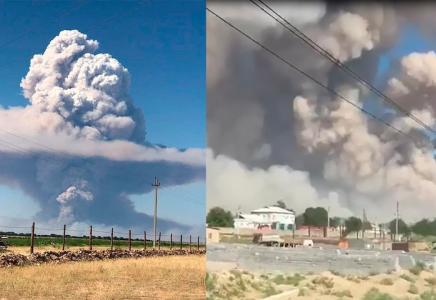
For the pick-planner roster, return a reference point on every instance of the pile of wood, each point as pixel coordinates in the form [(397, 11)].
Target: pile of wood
[(8, 260)]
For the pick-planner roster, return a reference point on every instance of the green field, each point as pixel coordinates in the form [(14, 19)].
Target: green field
[(84, 242)]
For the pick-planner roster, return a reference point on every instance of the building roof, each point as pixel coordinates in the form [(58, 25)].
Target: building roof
[(270, 209), (213, 229)]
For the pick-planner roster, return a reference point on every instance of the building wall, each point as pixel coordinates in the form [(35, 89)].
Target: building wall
[(212, 235), (275, 217), (245, 224)]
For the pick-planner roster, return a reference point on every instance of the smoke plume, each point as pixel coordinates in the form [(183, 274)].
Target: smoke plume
[(275, 134), (80, 105)]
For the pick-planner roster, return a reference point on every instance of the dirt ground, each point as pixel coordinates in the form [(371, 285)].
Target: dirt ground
[(237, 284), (173, 277)]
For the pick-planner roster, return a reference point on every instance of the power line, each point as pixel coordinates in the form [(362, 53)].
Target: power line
[(184, 191), (87, 30), (307, 75), (42, 25), (23, 12), (183, 197), (335, 61)]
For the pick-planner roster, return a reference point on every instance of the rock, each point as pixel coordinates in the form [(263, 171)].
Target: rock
[(8, 260)]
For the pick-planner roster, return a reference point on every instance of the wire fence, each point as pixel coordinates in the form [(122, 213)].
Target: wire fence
[(68, 239)]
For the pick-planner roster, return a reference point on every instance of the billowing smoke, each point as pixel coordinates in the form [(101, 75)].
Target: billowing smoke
[(275, 134), (80, 106)]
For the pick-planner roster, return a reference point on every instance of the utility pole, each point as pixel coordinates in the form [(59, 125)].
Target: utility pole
[(397, 216), (237, 215), (156, 185), (328, 222)]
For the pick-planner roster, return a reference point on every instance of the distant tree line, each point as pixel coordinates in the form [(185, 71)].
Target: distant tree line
[(318, 217)]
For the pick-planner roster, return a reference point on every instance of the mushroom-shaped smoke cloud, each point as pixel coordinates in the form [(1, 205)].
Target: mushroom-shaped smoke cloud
[(80, 106)]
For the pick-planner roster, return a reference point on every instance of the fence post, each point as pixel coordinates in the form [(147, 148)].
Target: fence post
[(190, 243), (145, 240), (90, 237), (63, 238), (181, 242), (198, 242), (130, 240), (159, 241), (32, 237), (171, 241), (112, 239)]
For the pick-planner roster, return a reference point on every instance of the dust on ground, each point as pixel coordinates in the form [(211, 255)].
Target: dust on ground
[(416, 283)]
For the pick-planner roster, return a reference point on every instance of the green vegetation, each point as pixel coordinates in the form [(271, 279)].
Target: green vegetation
[(288, 280), (325, 281), (387, 281), (210, 282), (18, 241), (303, 292), (318, 216), (342, 294), (218, 217), (375, 294), (413, 289), (417, 269), (407, 278)]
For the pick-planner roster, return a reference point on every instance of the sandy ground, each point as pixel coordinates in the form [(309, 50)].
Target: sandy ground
[(238, 284), (175, 277)]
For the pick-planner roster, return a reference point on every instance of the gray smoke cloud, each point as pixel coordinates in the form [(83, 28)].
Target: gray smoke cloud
[(80, 105), (275, 134)]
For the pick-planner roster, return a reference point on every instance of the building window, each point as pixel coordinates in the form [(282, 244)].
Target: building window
[(282, 226), (210, 235)]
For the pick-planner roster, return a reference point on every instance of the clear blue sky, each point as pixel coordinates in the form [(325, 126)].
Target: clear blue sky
[(162, 44)]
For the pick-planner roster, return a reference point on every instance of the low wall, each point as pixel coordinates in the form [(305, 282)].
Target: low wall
[(304, 260), (7, 260)]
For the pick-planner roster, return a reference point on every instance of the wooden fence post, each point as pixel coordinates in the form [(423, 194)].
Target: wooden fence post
[(112, 239), (32, 237), (181, 242), (130, 240), (159, 241), (171, 241), (145, 240), (63, 238), (198, 242), (90, 237), (190, 243)]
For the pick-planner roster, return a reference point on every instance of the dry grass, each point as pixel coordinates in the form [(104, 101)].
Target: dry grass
[(174, 277)]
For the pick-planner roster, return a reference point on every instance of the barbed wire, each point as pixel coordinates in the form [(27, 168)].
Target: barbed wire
[(126, 233)]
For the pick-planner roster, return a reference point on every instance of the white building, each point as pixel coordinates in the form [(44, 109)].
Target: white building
[(272, 216)]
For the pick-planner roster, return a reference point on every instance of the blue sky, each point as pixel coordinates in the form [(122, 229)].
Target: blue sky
[(411, 40), (162, 44)]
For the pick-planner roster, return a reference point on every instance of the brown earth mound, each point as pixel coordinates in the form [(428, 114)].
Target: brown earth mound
[(8, 260)]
